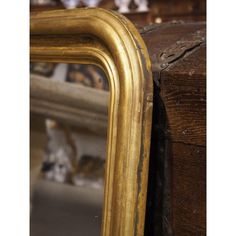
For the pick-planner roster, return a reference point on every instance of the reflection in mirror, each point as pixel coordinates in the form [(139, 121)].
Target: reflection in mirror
[(69, 107)]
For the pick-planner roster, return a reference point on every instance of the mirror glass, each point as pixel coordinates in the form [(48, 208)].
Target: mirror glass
[(68, 129)]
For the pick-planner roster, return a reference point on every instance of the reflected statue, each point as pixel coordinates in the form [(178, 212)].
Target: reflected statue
[(123, 5), (70, 4)]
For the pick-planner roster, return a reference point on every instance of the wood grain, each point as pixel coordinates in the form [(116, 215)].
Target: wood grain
[(183, 83), (188, 190), (183, 90), (177, 181), (161, 36)]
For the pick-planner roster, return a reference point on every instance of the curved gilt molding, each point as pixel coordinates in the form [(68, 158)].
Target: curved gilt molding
[(109, 40)]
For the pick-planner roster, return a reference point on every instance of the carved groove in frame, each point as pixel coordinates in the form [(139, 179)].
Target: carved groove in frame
[(109, 40)]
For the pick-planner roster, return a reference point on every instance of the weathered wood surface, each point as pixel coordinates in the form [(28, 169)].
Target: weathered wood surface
[(184, 91), (178, 152), (189, 195), (183, 81)]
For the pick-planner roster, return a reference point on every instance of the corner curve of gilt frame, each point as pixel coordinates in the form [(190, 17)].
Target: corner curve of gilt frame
[(109, 40)]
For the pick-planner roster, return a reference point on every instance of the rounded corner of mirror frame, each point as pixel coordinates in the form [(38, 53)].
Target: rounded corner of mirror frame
[(109, 40)]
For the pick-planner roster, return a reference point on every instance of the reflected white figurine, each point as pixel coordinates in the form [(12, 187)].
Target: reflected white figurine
[(70, 4), (91, 3), (142, 5), (123, 5), (42, 2)]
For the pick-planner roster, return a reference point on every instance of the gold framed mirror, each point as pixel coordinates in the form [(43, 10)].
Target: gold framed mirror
[(108, 40)]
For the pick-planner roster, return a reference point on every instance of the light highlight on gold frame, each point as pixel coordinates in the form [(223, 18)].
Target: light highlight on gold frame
[(109, 40)]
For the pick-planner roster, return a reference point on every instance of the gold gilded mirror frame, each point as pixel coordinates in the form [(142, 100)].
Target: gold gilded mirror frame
[(109, 40)]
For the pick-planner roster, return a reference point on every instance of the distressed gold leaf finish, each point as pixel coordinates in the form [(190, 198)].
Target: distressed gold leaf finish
[(109, 40)]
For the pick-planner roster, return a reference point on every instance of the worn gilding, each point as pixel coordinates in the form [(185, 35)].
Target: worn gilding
[(109, 40)]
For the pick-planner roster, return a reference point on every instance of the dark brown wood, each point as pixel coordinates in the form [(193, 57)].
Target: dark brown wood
[(182, 82), (140, 18), (177, 180), (178, 9), (188, 189), (183, 91)]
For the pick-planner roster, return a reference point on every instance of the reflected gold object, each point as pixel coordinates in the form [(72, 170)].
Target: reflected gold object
[(108, 40)]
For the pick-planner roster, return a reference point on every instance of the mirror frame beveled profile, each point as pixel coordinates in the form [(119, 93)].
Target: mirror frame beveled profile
[(110, 41)]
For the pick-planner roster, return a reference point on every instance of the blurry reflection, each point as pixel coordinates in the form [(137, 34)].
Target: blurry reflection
[(67, 163)]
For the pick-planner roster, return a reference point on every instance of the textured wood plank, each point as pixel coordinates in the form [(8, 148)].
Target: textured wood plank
[(183, 83), (188, 190), (161, 36), (183, 90), (178, 157)]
